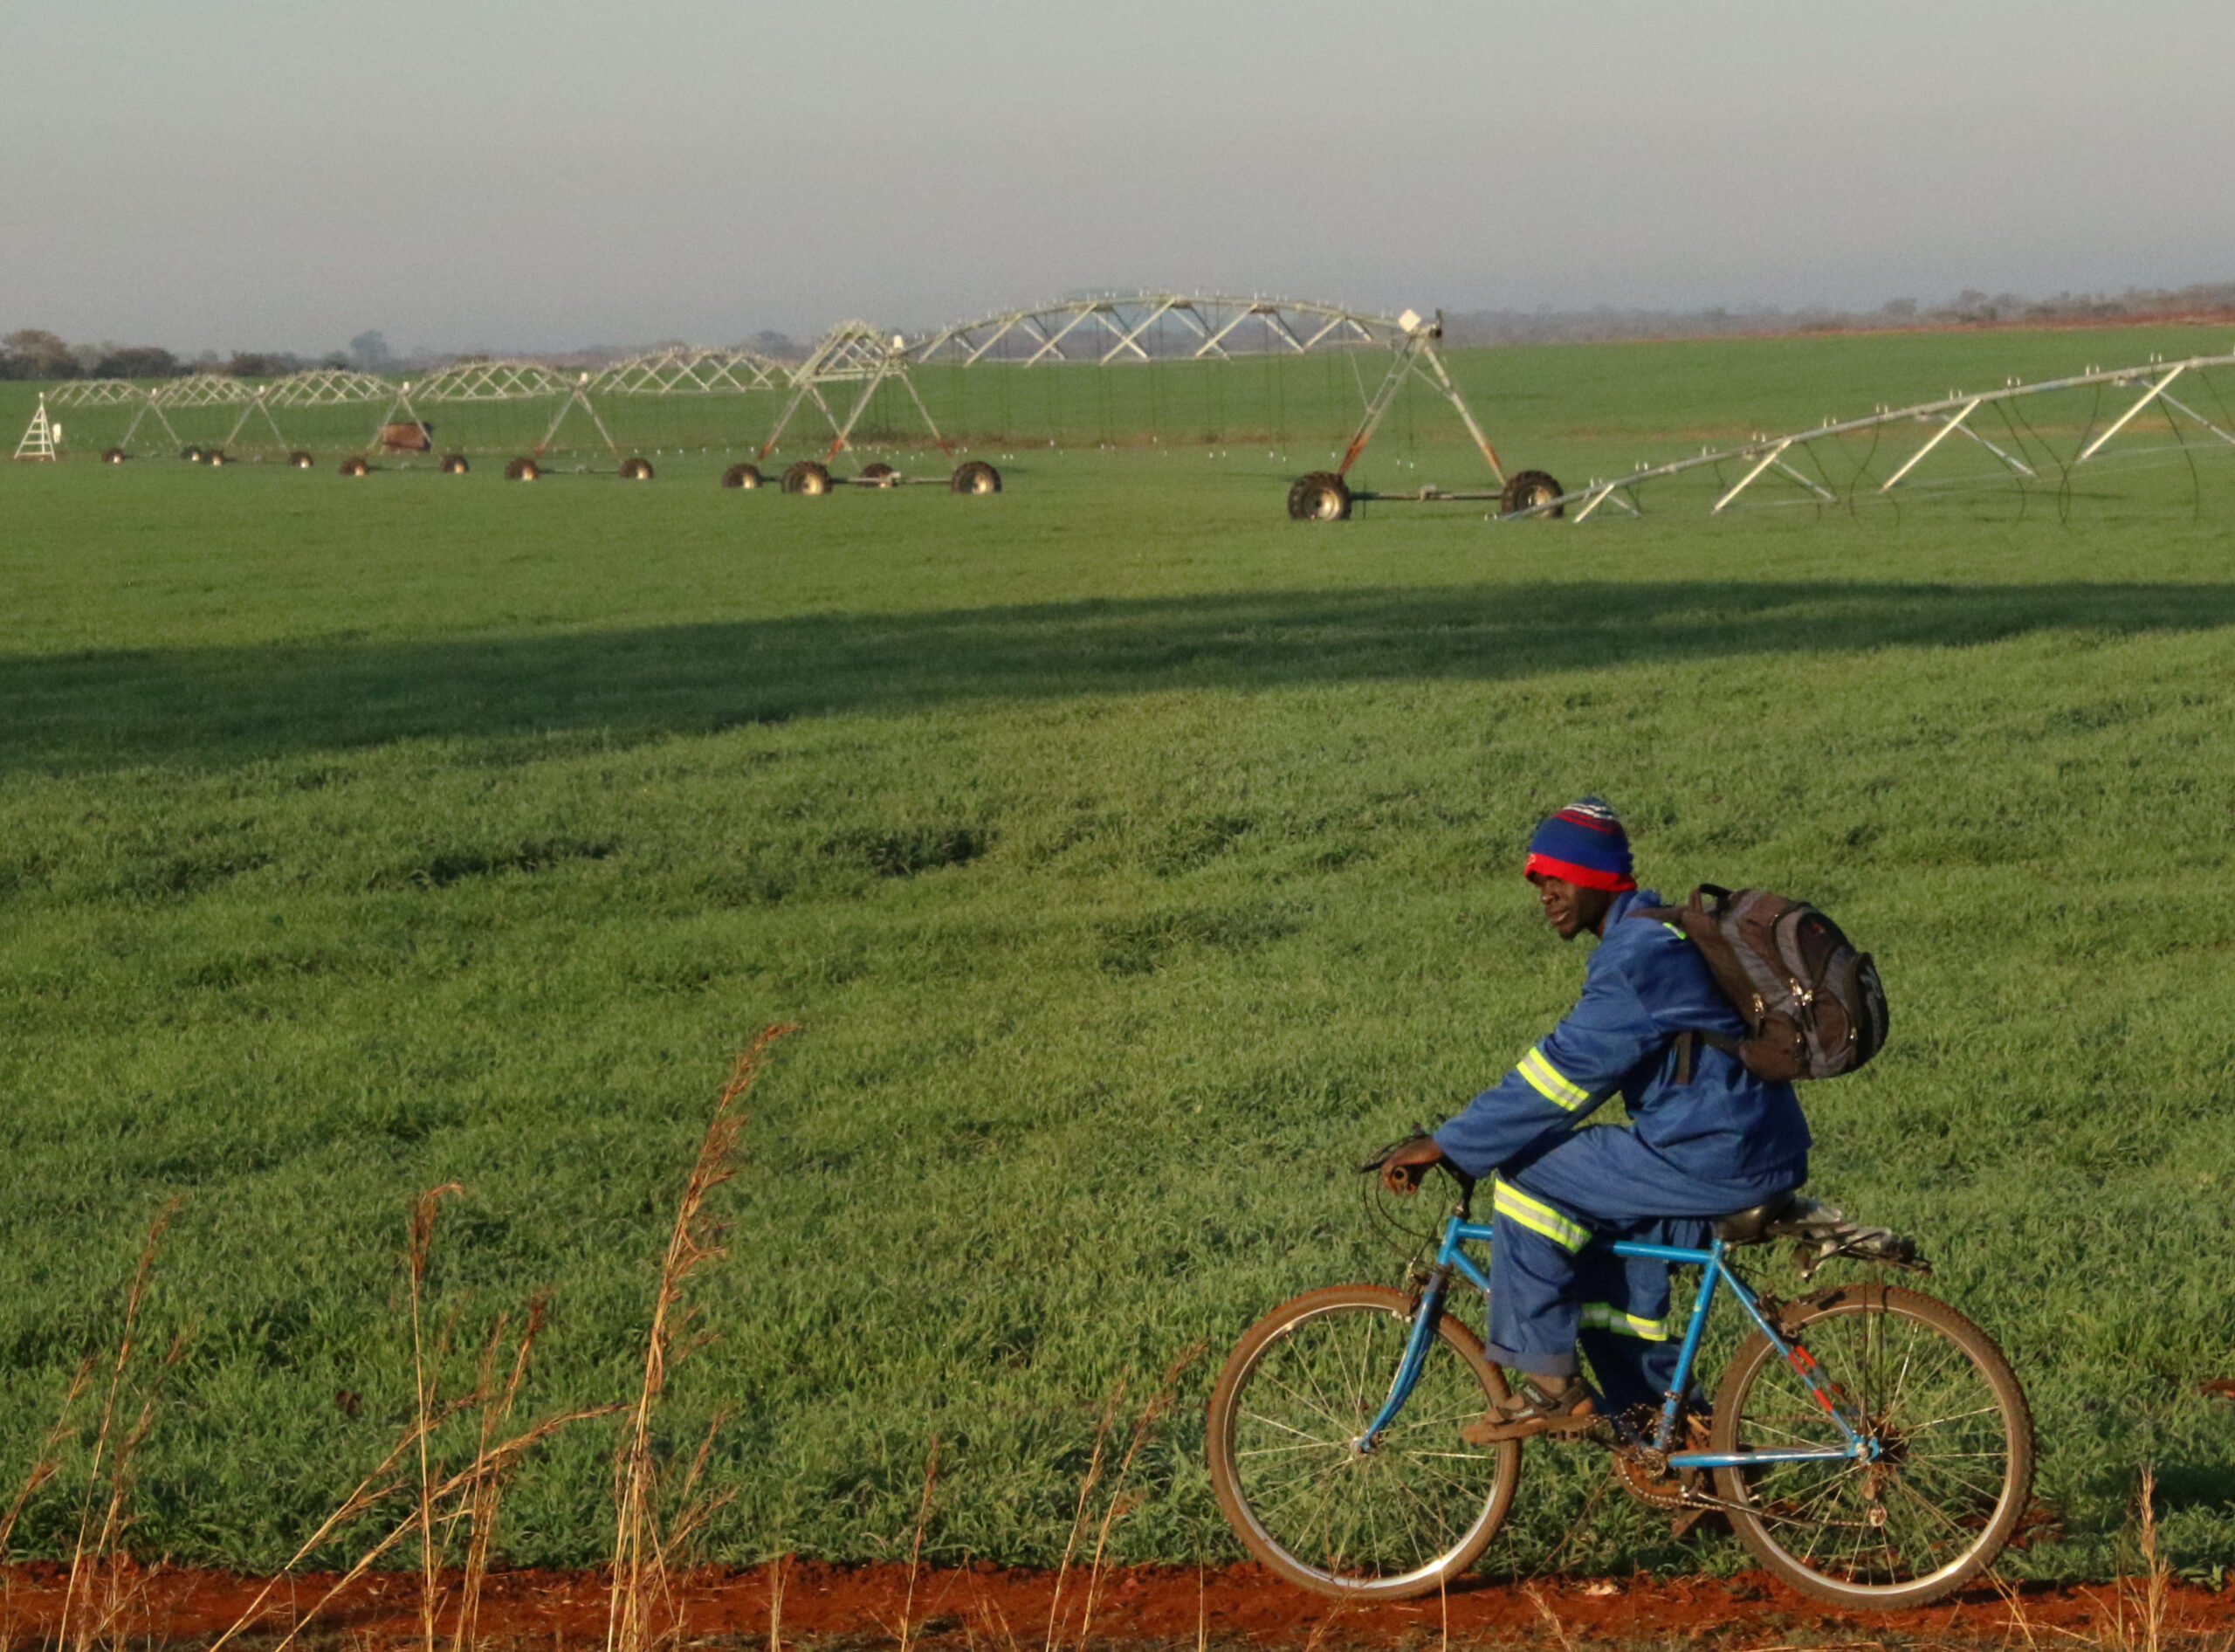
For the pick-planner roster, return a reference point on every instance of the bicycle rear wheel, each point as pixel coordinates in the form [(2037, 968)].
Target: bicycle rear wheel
[(1956, 1449), (1296, 1392)]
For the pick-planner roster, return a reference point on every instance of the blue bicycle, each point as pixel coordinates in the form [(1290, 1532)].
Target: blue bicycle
[(1867, 1443)]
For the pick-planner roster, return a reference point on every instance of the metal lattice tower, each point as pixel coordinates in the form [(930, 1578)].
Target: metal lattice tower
[(851, 353), (38, 445)]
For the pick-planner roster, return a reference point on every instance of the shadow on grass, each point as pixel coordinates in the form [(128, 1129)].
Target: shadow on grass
[(100, 710)]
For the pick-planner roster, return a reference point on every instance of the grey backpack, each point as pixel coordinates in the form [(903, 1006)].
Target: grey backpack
[(1813, 1005)]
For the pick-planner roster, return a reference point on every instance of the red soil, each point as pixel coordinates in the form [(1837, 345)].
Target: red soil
[(990, 1610)]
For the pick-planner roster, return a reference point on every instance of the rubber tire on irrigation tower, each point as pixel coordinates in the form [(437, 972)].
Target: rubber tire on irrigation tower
[(807, 478), (637, 470), (1320, 497), (522, 470), (742, 476), (355, 465), (113, 456), (191, 455), (1887, 1348), (879, 471), (976, 475), (455, 465), (300, 460), (215, 456), (1315, 1345), (1528, 490)]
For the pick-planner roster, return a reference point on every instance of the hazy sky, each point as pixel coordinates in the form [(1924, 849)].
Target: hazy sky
[(496, 175)]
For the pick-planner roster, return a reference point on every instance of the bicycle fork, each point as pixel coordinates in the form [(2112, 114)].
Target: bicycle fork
[(1425, 1314)]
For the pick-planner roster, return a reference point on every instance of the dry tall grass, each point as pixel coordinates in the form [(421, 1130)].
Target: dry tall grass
[(443, 1498), (418, 1252), (2138, 1612), (100, 1590), (654, 1523)]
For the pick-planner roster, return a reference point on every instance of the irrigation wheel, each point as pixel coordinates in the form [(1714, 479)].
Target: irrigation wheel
[(300, 460), (455, 465), (637, 470), (808, 478), (877, 471), (742, 476), (1320, 497), (1531, 490), (113, 456), (215, 456), (522, 470), (976, 475), (191, 455), (355, 465)]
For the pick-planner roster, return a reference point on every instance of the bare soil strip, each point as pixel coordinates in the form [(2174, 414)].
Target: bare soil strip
[(995, 1609)]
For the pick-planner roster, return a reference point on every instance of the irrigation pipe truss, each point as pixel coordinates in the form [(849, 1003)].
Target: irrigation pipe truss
[(1109, 327), (2030, 449), (1103, 330)]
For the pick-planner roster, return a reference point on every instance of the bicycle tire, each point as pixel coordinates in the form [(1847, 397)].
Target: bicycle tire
[(1927, 1516), (1298, 1387)]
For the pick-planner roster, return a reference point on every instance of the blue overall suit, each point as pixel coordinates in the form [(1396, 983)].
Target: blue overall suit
[(1692, 1151)]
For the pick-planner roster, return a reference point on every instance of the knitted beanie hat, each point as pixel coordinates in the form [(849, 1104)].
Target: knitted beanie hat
[(1584, 844)]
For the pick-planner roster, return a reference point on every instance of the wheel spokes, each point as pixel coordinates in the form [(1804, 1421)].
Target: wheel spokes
[(1940, 1436), (1389, 1511)]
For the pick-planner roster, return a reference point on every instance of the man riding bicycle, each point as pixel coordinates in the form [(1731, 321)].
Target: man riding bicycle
[(1706, 1138)]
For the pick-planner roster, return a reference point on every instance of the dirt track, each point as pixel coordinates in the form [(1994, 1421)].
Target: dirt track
[(989, 1610)]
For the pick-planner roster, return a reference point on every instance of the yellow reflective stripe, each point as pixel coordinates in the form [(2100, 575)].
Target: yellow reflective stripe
[(1544, 1078), (1516, 1206), (1604, 1316)]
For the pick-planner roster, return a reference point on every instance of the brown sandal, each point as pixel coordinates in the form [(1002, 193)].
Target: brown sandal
[(1568, 1415)]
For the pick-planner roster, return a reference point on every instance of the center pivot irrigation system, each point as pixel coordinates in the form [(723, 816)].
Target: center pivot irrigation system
[(839, 380), (2041, 434), (854, 361), (2031, 435), (1148, 327)]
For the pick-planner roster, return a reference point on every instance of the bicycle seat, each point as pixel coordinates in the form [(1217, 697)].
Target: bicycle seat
[(1752, 1225)]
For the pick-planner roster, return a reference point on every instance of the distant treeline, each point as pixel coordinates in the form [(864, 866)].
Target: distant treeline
[(32, 353), (2214, 300)]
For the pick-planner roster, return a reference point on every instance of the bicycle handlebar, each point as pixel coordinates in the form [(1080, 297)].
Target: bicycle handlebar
[(1373, 1165)]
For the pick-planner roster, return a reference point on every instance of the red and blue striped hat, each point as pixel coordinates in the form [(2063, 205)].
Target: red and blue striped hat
[(1585, 845)]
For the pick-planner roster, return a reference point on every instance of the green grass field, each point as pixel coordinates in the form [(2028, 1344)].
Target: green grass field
[(1136, 860)]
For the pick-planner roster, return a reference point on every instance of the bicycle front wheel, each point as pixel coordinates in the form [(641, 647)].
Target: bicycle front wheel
[(1954, 1462), (1400, 1518)]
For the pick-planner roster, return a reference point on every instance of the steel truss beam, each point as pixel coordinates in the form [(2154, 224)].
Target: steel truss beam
[(326, 387), (116, 393), (1144, 327), (503, 381), (1951, 415), (98, 393), (691, 372)]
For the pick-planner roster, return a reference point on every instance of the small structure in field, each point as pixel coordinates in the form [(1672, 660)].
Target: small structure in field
[(43, 440)]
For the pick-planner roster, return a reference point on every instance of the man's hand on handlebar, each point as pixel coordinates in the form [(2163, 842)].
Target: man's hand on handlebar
[(1401, 1172)]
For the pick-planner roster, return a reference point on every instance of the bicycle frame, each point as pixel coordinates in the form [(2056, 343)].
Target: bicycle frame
[(1452, 1259)]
